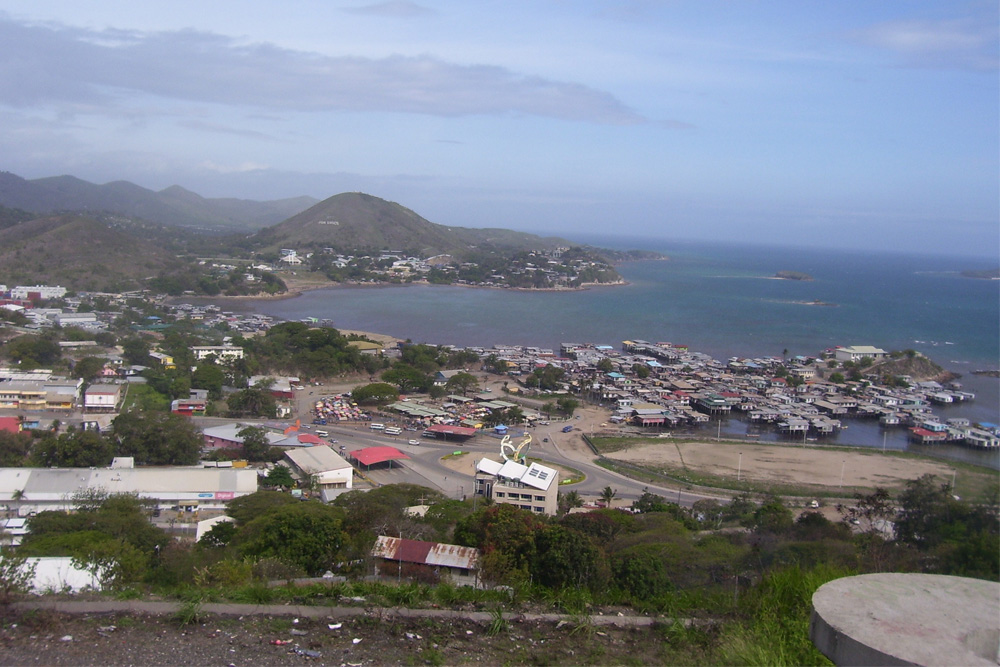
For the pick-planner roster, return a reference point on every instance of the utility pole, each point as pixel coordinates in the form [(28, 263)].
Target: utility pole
[(739, 468)]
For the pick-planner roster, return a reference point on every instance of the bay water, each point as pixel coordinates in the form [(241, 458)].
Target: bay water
[(722, 300)]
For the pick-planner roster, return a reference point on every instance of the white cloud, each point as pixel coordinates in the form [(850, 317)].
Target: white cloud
[(956, 43), (56, 65)]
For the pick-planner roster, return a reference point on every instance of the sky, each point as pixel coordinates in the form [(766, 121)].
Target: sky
[(849, 124)]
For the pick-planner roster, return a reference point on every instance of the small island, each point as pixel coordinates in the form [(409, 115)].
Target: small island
[(987, 274), (792, 275)]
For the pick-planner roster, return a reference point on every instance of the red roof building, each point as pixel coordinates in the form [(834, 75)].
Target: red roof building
[(446, 430), (370, 456), (443, 560)]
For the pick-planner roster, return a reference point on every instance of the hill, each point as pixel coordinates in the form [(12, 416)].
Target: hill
[(354, 222), (914, 365), (80, 253), (173, 206)]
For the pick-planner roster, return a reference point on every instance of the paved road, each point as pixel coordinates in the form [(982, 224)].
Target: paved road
[(425, 468)]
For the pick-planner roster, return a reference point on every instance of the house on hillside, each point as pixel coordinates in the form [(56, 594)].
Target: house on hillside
[(421, 560)]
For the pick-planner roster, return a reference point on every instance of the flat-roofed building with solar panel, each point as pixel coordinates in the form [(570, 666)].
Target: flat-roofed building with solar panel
[(533, 487)]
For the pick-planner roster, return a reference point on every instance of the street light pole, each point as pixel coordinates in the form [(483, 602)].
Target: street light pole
[(739, 468)]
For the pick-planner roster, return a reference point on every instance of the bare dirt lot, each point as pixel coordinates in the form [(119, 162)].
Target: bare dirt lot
[(48, 638), (777, 464)]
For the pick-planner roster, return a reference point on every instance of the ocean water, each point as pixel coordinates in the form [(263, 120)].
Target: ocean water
[(718, 299)]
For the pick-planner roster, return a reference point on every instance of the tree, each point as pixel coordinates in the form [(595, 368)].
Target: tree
[(605, 365), (771, 517), (649, 502), (407, 378), (308, 535), (377, 392), (255, 401), (506, 536), (280, 476), (33, 351), (564, 557), (110, 535), (837, 378), (156, 438), (641, 371), (135, 350), (567, 405), (15, 575), (209, 376), (14, 448), (462, 383), (73, 449), (255, 443), (641, 572), (607, 495), (246, 508), (569, 500), (88, 368)]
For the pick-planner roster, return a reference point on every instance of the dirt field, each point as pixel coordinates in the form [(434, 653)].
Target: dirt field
[(777, 464), (43, 638)]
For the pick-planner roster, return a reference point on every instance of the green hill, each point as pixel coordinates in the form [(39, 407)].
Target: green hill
[(173, 206), (80, 253), (357, 222)]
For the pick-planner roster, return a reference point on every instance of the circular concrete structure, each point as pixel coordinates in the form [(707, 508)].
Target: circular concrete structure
[(907, 619)]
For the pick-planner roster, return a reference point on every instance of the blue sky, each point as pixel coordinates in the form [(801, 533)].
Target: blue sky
[(847, 124)]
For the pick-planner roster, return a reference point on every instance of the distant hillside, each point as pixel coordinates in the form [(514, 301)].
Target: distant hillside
[(79, 253), (987, 274), (173, 206), (355, 221), (917, 366)]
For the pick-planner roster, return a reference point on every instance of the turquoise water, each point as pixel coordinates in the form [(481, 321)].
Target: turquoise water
[(717, 299)]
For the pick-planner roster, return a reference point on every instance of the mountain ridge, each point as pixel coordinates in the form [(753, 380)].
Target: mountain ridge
[(174, 206)]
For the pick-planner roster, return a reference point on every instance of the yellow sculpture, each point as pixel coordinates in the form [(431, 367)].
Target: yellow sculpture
[(517, 454)]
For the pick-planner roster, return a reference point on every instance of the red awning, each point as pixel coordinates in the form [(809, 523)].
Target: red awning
[(372, 455)]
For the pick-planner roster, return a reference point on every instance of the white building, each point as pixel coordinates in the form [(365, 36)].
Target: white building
[(37, 292), (857, 352), (221, 352), (534, 488), (102, 397), (322, 465), (28, 490)]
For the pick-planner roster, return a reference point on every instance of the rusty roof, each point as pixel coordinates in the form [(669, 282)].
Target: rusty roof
[(426, 553)]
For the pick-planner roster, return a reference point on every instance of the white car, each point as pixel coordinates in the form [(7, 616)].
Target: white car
[(414, 442)]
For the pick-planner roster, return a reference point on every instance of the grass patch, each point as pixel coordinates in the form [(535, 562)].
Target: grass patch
[(454, 455)]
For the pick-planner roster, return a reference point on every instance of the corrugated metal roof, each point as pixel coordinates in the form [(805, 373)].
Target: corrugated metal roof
[(426, 553), (315, 460)]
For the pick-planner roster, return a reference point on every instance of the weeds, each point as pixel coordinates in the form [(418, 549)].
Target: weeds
[(255, 594), (498, 624), (189, 613)]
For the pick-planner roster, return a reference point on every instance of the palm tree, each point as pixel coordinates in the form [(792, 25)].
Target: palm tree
[(607, 495), (17, 497), (568, 501)]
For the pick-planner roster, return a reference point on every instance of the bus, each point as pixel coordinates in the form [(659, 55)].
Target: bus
[(393, 430), (377, 427)]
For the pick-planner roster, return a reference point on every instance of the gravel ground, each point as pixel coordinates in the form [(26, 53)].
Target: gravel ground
[(50, 638)]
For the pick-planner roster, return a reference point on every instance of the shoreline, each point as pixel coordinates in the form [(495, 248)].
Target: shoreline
[(298, 288)]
